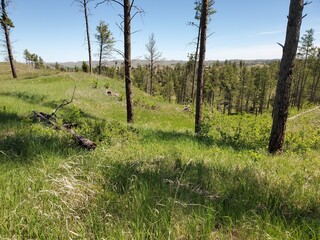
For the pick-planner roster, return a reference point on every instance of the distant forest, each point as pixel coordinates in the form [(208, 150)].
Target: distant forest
[(229, 87)]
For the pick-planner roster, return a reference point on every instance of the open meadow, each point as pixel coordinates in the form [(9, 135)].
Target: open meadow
[(155, 179)]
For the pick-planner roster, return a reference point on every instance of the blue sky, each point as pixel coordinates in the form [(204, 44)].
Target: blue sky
[(248, 29)]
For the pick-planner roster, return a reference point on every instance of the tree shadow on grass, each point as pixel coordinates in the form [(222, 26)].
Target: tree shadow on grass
[(8, 118), (206, 140), (27, 97), (215, 194), (40, 99), (175, 136), (24, 147)]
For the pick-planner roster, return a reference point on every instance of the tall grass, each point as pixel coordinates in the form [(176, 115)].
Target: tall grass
[(153, 180)]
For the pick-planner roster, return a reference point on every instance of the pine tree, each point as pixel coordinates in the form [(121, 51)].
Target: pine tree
[(201, 67), (105, 41), (84, 7), (128, 7), (281, 104)]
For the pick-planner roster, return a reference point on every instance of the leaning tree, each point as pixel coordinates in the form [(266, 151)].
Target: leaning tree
[(281, 103), (6, 25)]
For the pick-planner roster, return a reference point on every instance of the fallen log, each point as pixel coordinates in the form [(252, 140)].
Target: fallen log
[(79, 140)]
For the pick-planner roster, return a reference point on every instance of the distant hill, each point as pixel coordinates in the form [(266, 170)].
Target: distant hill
[(135, 63)]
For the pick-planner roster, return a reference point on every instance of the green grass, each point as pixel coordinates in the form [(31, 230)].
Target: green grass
[(152, 180)]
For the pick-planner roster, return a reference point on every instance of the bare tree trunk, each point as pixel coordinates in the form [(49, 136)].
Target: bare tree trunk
[(295, 85), (146, 85), (247, 104), (262, 97), (315, 83), (302, 87), (195, 64), (4, 23), (127, 60), (153, 56), (88, 34), (184, 86), (269, 99), (201, 67), (316, 79), (230, 103), (281, 105), (181, 99), (100, 56), (242, 87), (151, 76)]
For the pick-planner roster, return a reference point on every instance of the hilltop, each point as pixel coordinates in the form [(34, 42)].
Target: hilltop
[(154, 179), (135, 63)]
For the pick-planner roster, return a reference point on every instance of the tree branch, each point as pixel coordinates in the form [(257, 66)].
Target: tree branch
[(118, 51), (210, 35), (131, 5), (80, 140), (108, 1), (136, 32), (138, 11), (64, 103), (307, 3), (120, 27), (193, 24), (280, 45)]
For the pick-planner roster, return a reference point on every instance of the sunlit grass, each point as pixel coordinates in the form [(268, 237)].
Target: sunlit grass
[(152, 180)]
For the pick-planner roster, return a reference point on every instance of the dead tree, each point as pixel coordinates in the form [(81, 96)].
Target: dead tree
[(79, 140), (84, 7), (198, 8), (152, 57), (130, 10), (281, 104), (6, 25), (50, 118)]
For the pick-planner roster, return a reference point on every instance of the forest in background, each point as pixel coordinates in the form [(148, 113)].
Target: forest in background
[(81, 157), (232, 87)]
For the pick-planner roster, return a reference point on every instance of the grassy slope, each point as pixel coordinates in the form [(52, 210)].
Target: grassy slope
[(155, 180)]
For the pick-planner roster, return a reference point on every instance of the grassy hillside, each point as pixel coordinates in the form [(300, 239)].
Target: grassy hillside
[(152, 180)]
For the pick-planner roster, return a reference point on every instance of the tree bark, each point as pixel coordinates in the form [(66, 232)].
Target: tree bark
[(281, 105), (203, 23), (195, 64), (4, 24), (315, 83), (127, 59), (100, 55), (151, 76), (79, 139), (242, 87), (303, 80), (88, 34)]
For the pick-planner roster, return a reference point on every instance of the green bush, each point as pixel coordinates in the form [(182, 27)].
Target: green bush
[(109, 132), (72, 116)]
